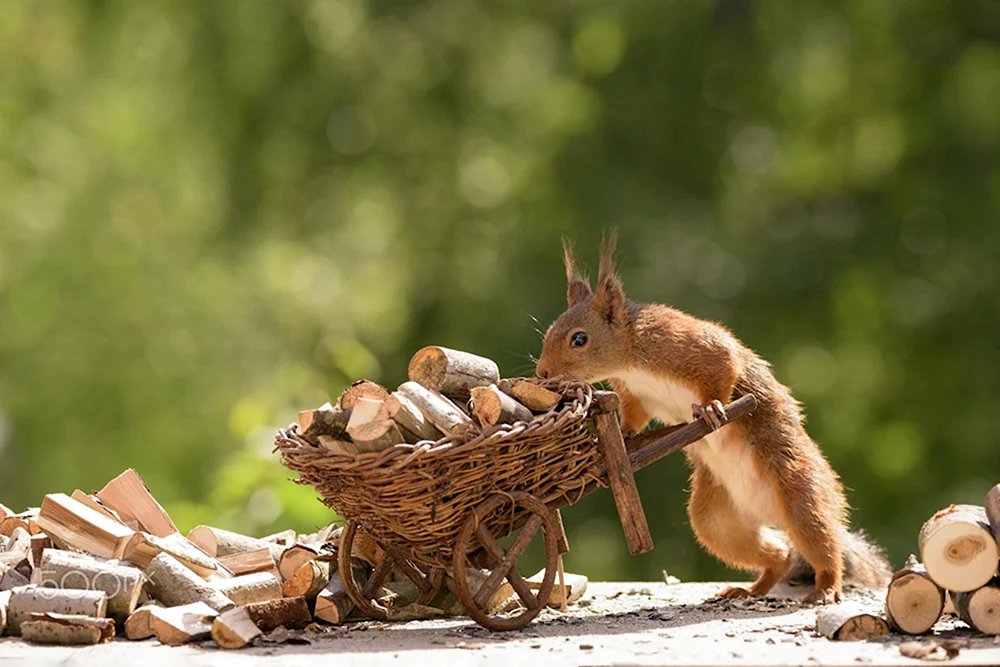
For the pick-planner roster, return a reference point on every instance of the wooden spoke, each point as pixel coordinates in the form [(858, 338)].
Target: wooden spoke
[(508, 561), (382, 570)]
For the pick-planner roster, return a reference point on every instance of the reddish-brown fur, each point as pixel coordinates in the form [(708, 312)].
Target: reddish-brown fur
[(767, 455)]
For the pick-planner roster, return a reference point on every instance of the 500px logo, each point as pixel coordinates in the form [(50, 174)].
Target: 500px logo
[(76, 580)]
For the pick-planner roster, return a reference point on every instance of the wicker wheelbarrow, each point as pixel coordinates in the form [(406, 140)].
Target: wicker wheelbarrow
[(437, 506)]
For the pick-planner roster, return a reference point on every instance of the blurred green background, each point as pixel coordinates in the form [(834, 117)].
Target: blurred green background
[(214, 214)]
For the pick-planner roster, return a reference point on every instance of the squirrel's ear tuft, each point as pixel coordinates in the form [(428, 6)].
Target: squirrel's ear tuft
[(609, 300), (578, 285)]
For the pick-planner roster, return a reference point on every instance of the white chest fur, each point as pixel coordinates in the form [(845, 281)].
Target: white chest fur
[(724, 452)]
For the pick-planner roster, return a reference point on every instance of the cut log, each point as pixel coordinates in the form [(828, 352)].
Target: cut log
[(5, 512), (402, 410), (12, 523), (980, 608), (72, 523), (476, 578), (958, 549), (249, 588), (234, 629), (69, 570), (130, 498), (333, 605), (33, 599), (913, 602), (138, 626), (144, 547), (326, 420), (13, 578), (174, 626), (218, 542), (249, 562), (39, 543), (337, 446), (329, 533), (376, 435), (366, 410), (94, 503), (18, 548), (293, 558), (361, 389), (452, 372), (283, 538), (174, 585), (491, 406), (292, 613), (847, 622), (67, 629), (531, 395), (576, 586), (440, 411), (308, 581), (992, 506)]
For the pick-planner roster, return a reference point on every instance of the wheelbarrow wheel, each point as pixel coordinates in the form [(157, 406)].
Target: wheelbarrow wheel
[(365, 594), (475, 535)]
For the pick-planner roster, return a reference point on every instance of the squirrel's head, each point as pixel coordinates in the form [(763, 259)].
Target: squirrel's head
[(590, 341)]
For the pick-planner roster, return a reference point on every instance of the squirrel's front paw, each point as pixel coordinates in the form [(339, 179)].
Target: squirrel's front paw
[(734, 593), (713, 413)]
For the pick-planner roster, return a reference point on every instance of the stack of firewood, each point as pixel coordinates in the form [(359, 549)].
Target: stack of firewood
[(449, 393)]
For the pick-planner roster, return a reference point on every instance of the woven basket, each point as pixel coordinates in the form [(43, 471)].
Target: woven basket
[(414, 498)]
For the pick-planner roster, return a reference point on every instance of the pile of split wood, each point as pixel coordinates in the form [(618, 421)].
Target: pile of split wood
[(449, 393), (956, 574)]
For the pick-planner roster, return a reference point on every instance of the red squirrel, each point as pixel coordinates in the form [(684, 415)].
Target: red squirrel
[(763, 496)]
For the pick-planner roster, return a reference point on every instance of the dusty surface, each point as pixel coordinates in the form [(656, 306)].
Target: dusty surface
[(616, 624)]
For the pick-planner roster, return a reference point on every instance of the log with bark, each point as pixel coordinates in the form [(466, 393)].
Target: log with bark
[(234, 629), (130, 498), (491, 406), (67, 629), (15, 577), (361, 389), (374, 436), (529, 394), (70, 570), (452, 372), (295, 557), (576, 586), (217, 542), (178, 625), (173, 584), (327, 420), (958, 549), (337, 446), (849, 621), (308, 581), (411, 420), (18, 548), (12, 523), (73, 524), (33, 599), (292, 613), (144, 547), (249, 562), (250, 588), (333, 604), (476, 578), (439, 410), (137, 626), (980, 608), (992, 507), (39, 543), (913, 602)]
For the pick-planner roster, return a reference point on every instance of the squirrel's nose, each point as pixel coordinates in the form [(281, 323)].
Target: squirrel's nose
[(542, 373)]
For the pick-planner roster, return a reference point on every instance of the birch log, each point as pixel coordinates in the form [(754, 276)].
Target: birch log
[(250, 588), (70, 570), (234, 628), (847, 622), (402, 410), (491, 406), (361, 389), (980, 608), (327, 420), (33, 599), (175, 585), (913, 602), (217, 542), (440, 411), (137, 626), (531, 395), (178, 625), (333, 604), (292, 613), (376, 435), (958, 549), (67, 629), (992, 504), (452, 372)]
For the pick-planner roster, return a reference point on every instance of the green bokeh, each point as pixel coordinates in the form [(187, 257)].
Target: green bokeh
[(215, 214)]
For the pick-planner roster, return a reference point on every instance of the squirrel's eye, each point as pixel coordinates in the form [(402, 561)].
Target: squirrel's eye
[(579, 339)]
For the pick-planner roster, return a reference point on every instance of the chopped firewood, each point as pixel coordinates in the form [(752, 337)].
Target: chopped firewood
[(129, 496), (992, 507), (284, 539), (337, 446), (532, 396), (913, 602), (67, 629), (958, 549), (257, 587), (333, 605), (980, 608), (402, 410), (144, 547), (18, 548), (475, 579), (178, 625), (234, 628), (72, 523), (576, 586), (12, 523), (39, 543), (361, 389), (376, 435), (292, 613), (439, 410), (94, 503), (293, 558), (308, 581), (217, 542), (173, 584), (137, 626), (5, 512), (34, 599), (248, 562), (847, 622), (71, 570), (365, 410), (491, 406), (327, 420), (13, 578), (452, 372), (328, 533)]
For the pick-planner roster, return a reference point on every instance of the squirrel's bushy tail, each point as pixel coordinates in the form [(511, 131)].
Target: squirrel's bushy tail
[(865, 563)]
